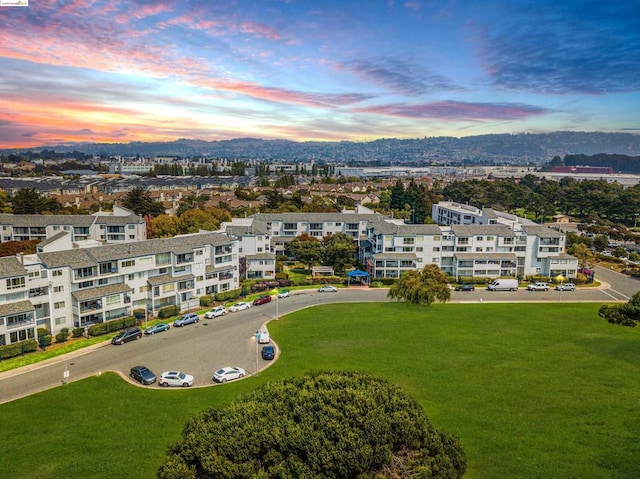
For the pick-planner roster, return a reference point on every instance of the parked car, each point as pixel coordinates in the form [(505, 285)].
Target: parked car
[(539, 286), (566, 287), (268, 353), (285, 293), (215, 312), (157, 328), (262, 300), (228, 374), (175, 378), (189, 318), (327, 288), (142, 374), (241, 306), (126, 336), (465, 287)]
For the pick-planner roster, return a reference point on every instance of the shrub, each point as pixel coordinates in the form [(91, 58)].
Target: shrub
[(169, 311), (77, 332), (62, 336), (44, 337), (337, 424), (228, 295), (113, 325), (16, 349), (206, 301)]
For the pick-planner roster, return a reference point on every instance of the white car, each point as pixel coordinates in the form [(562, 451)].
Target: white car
[(175, 378), (566, 287), (241, 306), (327, 289), (539, 286), (228, 374), (215, 312), (284, 293)]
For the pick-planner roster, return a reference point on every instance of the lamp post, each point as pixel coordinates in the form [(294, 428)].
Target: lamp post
[(635, 220)]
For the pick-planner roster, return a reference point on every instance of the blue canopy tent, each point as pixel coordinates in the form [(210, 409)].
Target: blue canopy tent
[(358, 274)]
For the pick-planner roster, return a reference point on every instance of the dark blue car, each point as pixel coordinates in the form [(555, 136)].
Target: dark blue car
[(268, 352)]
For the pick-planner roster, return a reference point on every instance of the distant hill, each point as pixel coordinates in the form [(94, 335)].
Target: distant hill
[(503, 148)]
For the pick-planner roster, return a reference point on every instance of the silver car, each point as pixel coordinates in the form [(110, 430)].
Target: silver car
[(228, 374), (241, 306), (215, 312), (175, 378)]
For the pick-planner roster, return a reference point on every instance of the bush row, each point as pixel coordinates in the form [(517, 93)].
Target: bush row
[(113, 325), (168, 311), (229, 295), (16, 349)]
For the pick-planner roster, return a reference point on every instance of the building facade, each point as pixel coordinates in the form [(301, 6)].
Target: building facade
[(119, 227), (84, 286)]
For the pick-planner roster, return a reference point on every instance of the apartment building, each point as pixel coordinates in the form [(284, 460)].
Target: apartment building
[(254, 247), (283, 227), (453, 213), (466, 250), (83, 286), (118, 227)]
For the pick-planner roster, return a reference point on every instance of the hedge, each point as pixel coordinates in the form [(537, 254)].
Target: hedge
[(206, 301), (168, 311), (77, 332), (228, 295), (113, 325), (62, 336), (16, 349)]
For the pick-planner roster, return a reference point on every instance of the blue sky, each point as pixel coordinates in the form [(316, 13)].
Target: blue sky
[(120, 71)]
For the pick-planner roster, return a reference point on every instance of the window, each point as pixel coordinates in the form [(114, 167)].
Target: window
[(144, 289), (131, 277), (131, 227), (407, 241), (147, 260), (479, 238), (166, 288), (113, 299), (436, 249), (128, 263), (85, 284), (103, 281), (15, 283), (58, 289), (60, 320), (58, 305)]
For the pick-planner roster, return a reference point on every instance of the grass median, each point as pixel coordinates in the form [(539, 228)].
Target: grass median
[(532, 390)]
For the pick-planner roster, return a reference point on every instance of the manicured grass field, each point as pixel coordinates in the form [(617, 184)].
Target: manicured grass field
[(533, 391)]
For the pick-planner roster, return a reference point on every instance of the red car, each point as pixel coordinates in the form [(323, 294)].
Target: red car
[(262, 300)]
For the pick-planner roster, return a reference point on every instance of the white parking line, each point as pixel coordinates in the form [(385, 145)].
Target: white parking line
[(617, 292)]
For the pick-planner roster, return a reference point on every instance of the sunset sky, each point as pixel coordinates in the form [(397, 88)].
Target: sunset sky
[(120, 71)]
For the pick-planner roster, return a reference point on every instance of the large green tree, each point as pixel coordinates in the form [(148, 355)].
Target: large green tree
[(141, 203), (322, 425), (28, 201), (306, 249), (340, 251), (421, 287)]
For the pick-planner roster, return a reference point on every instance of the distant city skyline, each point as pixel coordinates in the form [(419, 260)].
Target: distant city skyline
[(115, 71)]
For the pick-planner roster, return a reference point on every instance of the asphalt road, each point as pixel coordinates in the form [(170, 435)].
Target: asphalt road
[(202, 348)]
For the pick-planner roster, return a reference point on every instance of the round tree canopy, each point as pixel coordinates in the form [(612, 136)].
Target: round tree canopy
[(326, 424)]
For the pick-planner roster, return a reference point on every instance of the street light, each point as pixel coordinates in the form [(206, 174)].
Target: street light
[(560, 279), (635, 220)]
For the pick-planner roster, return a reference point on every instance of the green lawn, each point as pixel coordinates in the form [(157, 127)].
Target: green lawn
[(533, 391)]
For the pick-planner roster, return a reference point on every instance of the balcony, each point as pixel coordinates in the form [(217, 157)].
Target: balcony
[(90, 306)]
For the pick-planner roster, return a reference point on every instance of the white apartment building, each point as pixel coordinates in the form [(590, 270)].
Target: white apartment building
[(118, 227), (257, 261), (83, 286), (466, 250), (453, 213)]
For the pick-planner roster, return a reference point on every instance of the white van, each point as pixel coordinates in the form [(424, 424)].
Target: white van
[(263, 336), (503, 285)]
